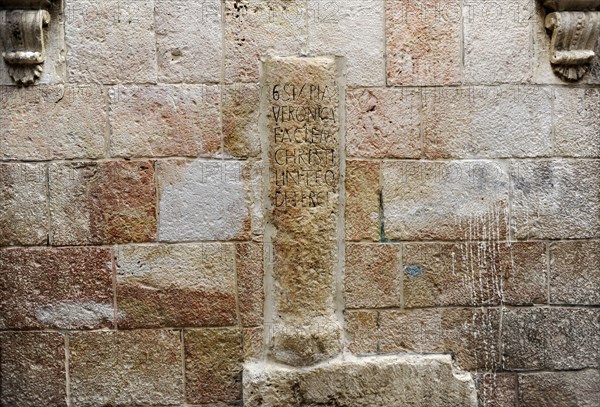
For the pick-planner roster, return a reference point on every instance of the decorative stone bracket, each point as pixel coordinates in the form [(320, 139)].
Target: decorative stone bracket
[(575, 26), (23, 34)]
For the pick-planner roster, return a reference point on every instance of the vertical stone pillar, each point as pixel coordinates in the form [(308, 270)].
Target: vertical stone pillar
[(303, 146)]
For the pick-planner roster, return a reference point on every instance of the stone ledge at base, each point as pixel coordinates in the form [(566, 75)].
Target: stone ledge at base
[(378, 381)]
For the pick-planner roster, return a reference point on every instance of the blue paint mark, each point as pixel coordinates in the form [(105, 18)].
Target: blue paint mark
[(413, 270)]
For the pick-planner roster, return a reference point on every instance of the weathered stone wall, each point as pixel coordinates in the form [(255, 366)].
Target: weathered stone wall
[(136, 266)]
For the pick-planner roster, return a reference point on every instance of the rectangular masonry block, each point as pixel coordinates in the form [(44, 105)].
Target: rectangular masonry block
[(491, 122), (240, 104), (203, 200), (362, 200), (560, 389), (158, 121), (577, 128), (32, 368), (384, 123), (110, 41), (64, 288), (126, 368), (176, 285), (53, 122), (575, 272), (497, 390), (23, 204), (250, 276), (423, 42), (555, 199), (363, 331), (102, 202), (449, 200)]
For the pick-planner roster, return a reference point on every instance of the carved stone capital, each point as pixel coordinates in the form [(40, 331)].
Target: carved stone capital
[(23, 35), (575, 26)]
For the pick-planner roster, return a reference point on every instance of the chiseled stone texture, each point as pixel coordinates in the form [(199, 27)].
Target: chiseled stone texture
[(158, 121), (32, 368), (176, 285), (423, 42), (203, 200), (497, 390), (123, 368), (353, 29), (575, 272), (485, 273), (497, 41), (577, 127), (449, 200), (362, 200), (550, 338), (555, 199), (65, 288), (492, 122), (469, 333), (23, 204), (213, 365), (372, 276), (110, 41), (52, 122), (241, 102), (362, 382), (253, 342), (249, 265), (255, 28), (560, 389), (383, 123), (102, 202), (189, 40), (362, 331)]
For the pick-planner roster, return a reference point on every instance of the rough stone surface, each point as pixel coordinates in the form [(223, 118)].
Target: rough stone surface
[(213, 365), (52, 122), (577, 128), (548, 204), (111, 41), (362, 200), (497, 390), (560, 389), (126, 368), (250, 276), (353, 29), (253, 343), (189, 40), (550, 338), (102, 202), (504, 121), (364, 382), (485, 273), (384, 123), (362, 331), (240, 120), (471, 334), (176, 285), (203, 200), (23, 204), (465, 200), (575, 272), (373, 276), (165, 121), (32, 367), (423, 42), (65, 288)]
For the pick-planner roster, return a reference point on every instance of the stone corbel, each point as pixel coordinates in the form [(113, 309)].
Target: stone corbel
[(575, 26), (23, 34)]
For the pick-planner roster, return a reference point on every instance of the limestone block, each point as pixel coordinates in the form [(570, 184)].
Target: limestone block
[(203, 200), (423, 42), (577, 128), (52, 122), (176, 285), (64, 288), (102, 202), (560, 389), (430, 381), (158, 121), (362, 331), (189, 40), (362, 200), (32, 367), (448, 200), (241, 103), (111, 41), (353, 29), (555, 199), (575, 272), (497, 390), (384, 123), (126, 368), (23, 204), (505, 121), (250, 276)]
